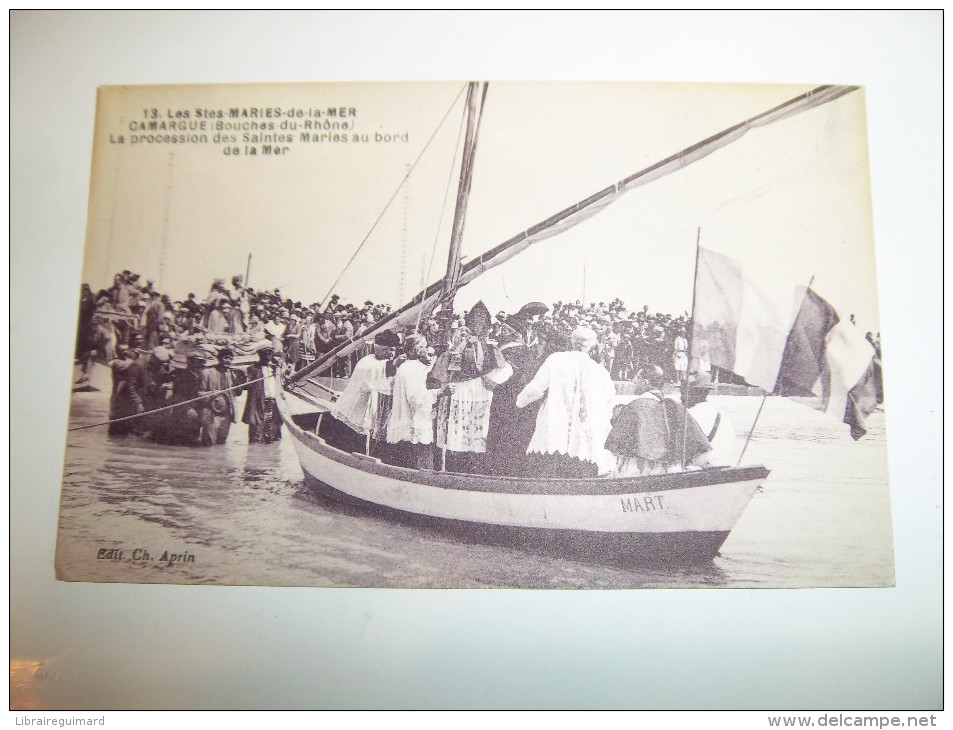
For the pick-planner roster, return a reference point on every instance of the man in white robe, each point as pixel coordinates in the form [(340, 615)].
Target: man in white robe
[(575, 417), (410, 425), (365, 404)]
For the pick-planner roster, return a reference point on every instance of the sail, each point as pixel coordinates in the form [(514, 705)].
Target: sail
[(580, 212), (741, 320), (595, 203)]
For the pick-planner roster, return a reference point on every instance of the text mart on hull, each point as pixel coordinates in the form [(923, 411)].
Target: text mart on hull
[(678, 518)]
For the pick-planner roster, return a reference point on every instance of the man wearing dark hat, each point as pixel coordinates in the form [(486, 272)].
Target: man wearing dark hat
[(523, 326), (466, 375), (191, 305), (261, 406), (323, 334), (184, 422), (217, 411), (130, 382), (410, 426), (343, 330), (511, 428), (158, 365), (362, 409), (654, 434)]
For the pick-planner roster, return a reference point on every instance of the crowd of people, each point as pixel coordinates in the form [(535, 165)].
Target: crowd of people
[(627, 340), (532, 392), (166, 385), (133, 320), (297, 331), (194, 404)]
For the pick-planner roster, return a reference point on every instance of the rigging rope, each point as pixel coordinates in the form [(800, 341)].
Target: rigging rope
[(388, 204)]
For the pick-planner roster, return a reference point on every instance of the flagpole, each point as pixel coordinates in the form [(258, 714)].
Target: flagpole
[(688, 354), (765, 396), (751, 430), (691, 316)]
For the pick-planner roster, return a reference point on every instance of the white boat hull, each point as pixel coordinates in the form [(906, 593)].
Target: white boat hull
[(673, 517)]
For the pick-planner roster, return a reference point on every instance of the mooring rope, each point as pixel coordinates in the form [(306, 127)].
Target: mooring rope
[(208, 395)]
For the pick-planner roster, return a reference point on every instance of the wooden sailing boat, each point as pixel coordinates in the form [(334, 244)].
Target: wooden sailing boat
[(682, 517)]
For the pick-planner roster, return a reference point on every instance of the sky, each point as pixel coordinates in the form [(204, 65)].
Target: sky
[(371, 220)]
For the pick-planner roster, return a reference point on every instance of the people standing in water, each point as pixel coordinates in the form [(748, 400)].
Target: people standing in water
[(129, 383), (261, 405), (130, 396), (217, 412), (184, 421)]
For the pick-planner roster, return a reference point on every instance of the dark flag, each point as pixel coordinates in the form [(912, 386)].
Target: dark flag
[(830, 358), (861, 401), (803, 362)]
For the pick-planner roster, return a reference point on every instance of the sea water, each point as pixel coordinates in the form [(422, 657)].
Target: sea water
[(241, 514)]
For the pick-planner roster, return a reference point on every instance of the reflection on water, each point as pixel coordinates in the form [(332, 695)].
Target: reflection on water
[(242, 514)]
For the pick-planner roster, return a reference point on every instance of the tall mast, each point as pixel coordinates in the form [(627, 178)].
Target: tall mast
[(451, 280), (689, 336)]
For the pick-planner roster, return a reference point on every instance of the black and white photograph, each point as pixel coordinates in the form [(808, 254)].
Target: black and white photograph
[(479, 335), (476, 360)]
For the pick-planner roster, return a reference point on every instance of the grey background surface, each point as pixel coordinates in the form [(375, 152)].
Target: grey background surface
[(129, 646)]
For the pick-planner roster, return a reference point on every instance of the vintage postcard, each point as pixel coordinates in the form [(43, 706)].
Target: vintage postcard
[(478, 335)]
